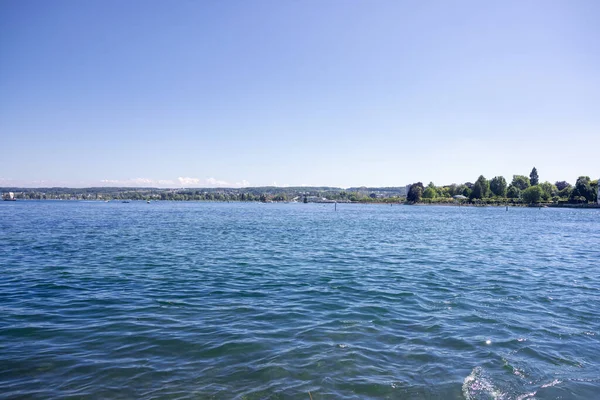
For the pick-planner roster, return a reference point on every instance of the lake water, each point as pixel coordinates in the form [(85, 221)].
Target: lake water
[(273, 301)]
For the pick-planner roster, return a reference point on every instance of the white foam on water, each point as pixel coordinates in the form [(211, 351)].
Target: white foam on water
[(532, 394), (526, 396), (476, 386), (553, 383)]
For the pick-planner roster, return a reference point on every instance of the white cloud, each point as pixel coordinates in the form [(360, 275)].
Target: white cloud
[(186, 181), (142, 181), (216, 182), (129, 182), (210, 182), (182, 181), (278, 185)]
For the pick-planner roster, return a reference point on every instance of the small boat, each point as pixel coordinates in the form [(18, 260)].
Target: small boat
[(10, 196), (125, 201), (148, 202)]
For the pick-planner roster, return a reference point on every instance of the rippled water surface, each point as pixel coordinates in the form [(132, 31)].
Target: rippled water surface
[(269, 301)]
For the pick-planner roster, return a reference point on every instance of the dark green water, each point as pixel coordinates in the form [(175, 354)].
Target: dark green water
[(271, 301)]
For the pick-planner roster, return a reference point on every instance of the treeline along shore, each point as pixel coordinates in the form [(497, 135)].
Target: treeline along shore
[(521, 191)]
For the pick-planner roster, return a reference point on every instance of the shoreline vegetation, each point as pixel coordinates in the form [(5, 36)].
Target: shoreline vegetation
[(522, 191)]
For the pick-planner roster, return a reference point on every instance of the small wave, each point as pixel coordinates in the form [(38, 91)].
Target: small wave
[(478, 386), (527, 396), (553, 383)]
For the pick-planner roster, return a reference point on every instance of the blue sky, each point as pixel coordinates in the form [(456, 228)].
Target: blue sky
[(303, 92)]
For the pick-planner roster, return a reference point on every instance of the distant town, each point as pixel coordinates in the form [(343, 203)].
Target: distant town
[(262, 194)]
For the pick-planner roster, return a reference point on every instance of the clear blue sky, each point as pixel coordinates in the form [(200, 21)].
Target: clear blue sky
[(334, 92)]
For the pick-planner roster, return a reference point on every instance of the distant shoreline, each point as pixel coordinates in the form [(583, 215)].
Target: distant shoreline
[(378, 203)]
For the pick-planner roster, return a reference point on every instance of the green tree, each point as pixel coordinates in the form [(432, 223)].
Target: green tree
[(549, 190), (583, 188), (533, 177), (521, 182), (513, 192), (532, 194), (429, 193), (446, 191), (562, 185), (434, 192), (566, 192), (415, 192), (498, 186), (459, 189), (481, 188), (453, 189)]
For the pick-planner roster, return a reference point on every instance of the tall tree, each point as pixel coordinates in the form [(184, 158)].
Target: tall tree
[(481, 188), (498, 186), (521, 182), (583, 188), (415, 192), (534, 179)]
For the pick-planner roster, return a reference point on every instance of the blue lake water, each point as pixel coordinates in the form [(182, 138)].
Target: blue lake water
[(273, 301)]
